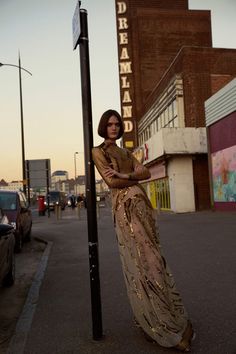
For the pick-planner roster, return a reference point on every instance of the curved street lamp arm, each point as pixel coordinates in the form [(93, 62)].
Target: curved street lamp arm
[(19, 67)]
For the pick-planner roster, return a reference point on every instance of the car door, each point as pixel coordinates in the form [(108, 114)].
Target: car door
[(7, 241), (3, 257), (4, 251)]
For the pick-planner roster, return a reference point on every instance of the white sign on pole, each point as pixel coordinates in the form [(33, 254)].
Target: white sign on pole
[(76, 25)]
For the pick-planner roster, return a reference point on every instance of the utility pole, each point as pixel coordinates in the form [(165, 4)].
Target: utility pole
[(80, 32), (22, 131)]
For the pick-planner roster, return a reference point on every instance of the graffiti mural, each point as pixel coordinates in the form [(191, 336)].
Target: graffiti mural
[(224, 175)]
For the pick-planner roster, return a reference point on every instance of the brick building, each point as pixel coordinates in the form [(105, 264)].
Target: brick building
[(168, 69)]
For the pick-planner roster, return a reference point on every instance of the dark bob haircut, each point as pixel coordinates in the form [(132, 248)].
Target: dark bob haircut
[(102, 126)]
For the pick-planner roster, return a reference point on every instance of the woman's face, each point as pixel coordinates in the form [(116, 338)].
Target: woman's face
[(113, 128)]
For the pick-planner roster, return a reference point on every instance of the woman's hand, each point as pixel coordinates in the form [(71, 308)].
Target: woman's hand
[(138, 168), (109, 172)]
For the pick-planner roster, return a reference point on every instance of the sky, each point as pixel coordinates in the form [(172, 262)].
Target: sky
[(42, 32)]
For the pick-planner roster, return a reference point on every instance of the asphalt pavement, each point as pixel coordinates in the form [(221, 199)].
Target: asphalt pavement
[(200, 249)]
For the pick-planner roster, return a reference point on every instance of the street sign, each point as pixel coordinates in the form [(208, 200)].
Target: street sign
[(76, 29), (39, 172)]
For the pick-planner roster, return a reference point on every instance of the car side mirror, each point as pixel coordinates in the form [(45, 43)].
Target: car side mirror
[(5, 229)]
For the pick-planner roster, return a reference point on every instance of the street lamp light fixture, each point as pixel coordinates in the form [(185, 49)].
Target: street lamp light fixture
[(22, 120), (16, 66)]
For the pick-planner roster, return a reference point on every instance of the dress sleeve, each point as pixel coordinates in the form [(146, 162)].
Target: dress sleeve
[(140, 171), (101, 164)]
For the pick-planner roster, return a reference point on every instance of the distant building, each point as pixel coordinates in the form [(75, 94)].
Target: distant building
[(3, 184), (12, 186), (167, 70), (101, 186), (221, 124), (66, 186), (79, 187), (57, 178)]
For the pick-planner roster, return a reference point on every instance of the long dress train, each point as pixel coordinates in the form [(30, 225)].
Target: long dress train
[(156, 303)]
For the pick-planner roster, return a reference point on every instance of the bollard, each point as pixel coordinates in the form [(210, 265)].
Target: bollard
[(78, 210), (98, 211), (56, 208), (59, 212)]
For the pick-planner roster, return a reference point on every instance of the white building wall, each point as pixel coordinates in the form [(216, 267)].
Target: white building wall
[(13, 186), (81, 189), (180, 172), (176, 141), (221, 104)]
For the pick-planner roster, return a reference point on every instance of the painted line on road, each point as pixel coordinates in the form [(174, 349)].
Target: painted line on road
[(23, 326)]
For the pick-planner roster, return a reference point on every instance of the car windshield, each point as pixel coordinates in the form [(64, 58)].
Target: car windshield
[(8, 201), (54, 197)]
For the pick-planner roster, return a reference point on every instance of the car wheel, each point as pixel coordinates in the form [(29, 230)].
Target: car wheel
[(28, 235), (18, 243), (10, 277)]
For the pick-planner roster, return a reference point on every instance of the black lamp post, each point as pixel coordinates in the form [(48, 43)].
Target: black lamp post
[(76, 153), (22, 121)]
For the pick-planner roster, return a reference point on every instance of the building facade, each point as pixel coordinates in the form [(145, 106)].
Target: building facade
[(12, 186), (149, 35), (57, 179), (173, 128), (221, 125), (167, 69)]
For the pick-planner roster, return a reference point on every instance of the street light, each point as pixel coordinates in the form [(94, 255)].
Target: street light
[(76, 153), (22, 120)]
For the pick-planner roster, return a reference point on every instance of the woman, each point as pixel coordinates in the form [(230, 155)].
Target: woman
[(156, 304)]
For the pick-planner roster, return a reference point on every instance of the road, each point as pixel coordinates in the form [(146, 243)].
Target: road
[(200, 249)]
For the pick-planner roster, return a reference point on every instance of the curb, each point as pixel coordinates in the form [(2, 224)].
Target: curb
[(18, 340)]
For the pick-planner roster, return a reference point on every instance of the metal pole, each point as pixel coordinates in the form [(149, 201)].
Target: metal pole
[(47, 196), (16, 66), (28, 181), (210, 169), (75, 172), (22, 131), (22, 121), (90, 179)]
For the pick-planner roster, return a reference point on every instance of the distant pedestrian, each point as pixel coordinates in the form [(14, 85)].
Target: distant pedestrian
[(72, 201), (85, 202), (79, 199), (156, 303)]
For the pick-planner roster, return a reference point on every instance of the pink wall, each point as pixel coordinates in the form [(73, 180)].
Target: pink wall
[(222, 136), (223, 133)]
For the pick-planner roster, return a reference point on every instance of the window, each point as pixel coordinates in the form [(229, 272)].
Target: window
[(8, 201)]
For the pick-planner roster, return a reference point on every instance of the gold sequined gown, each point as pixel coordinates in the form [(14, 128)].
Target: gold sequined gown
[(156, 304)]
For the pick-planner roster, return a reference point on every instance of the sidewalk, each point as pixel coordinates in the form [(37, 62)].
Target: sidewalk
[(200, 249)]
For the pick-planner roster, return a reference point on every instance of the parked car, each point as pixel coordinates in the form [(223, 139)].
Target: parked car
[(56, 198), (16, 208), (7, 257)]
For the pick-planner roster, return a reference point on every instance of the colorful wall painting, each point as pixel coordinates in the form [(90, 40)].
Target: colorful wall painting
[(224, 175)]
